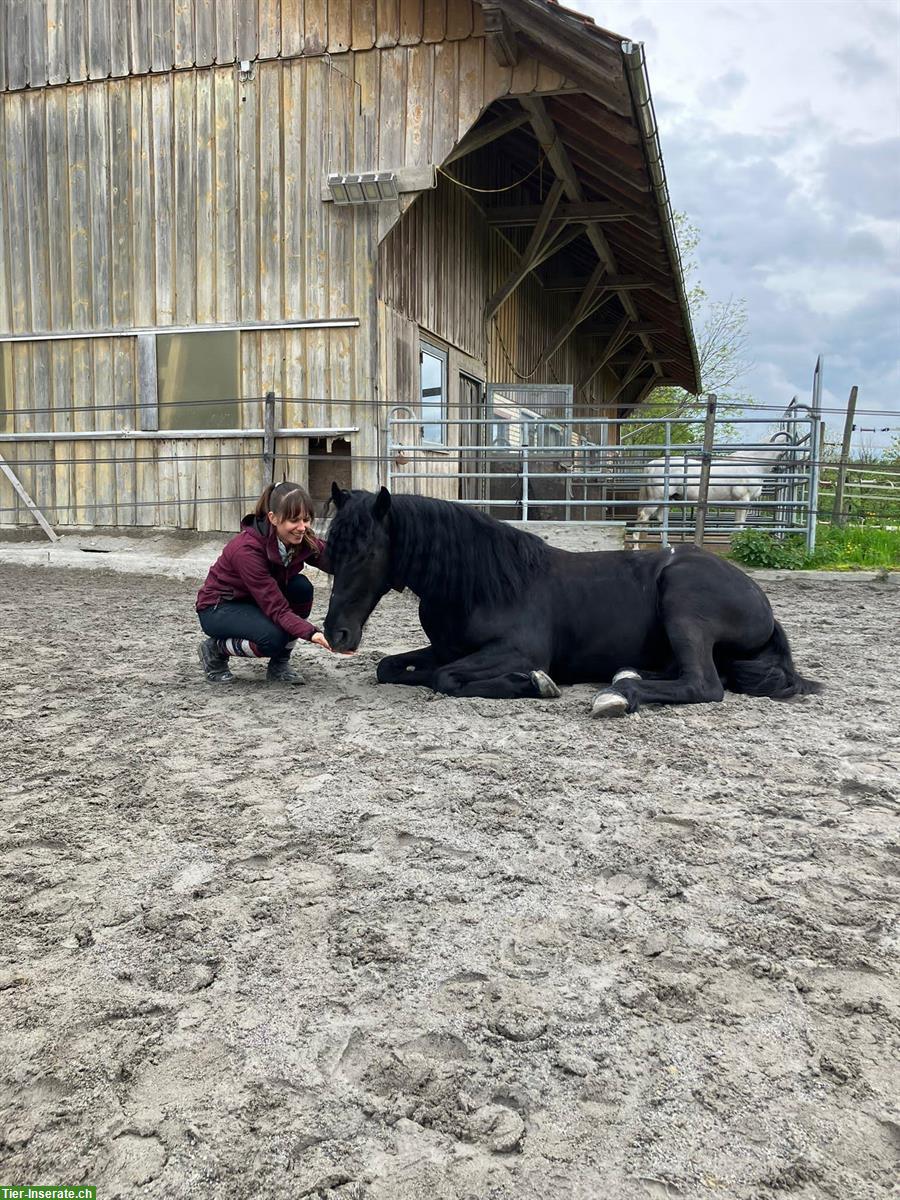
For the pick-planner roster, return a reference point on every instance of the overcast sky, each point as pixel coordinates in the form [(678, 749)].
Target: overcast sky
[(780, 128)]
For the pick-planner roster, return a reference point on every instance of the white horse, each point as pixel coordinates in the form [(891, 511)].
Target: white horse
[(735, 478)]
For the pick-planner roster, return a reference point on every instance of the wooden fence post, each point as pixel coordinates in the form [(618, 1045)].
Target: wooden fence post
[(838, 516), (709, 431), (269, 438)]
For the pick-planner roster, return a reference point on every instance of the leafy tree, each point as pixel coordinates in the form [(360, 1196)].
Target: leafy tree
[(721, 333)]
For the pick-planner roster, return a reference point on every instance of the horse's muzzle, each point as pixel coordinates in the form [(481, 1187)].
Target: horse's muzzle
[(343, 639)]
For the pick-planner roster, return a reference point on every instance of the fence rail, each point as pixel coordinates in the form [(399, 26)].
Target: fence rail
[(504, 457), (557, 465)]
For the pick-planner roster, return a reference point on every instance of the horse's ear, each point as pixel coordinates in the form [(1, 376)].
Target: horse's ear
[(338, 496), (382, 504)]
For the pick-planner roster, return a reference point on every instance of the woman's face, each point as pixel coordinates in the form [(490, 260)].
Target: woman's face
[(290, 530)]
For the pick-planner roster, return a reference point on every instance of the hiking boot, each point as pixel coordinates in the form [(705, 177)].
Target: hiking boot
[(281, 671), (214, 664)]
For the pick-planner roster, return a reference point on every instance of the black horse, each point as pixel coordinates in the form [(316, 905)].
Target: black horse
[(507, 615)]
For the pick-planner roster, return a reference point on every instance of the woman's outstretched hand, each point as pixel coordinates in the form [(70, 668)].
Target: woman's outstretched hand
[(319, 639)]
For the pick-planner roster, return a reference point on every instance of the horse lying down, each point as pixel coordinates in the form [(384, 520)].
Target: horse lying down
[(508, 616)]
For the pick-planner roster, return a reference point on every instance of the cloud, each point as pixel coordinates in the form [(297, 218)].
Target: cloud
[(782, 147), (817, 278), (865, 176), (724, 89), (863, 245), (861, 66), (642, 30)]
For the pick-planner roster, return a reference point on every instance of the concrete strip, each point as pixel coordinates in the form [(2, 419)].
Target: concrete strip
[(769, 576), (128, 561), (177, 555)]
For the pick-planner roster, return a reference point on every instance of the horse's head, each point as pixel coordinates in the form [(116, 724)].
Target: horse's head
[(359, 556)]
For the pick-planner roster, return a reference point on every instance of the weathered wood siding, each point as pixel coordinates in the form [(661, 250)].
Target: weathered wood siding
[(434, 267), (187, 199), (179, 199), (438, 267), (66, 41), (144, 183)]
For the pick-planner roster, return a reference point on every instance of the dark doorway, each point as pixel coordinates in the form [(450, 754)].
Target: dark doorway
[(472, 459), (327, 463)]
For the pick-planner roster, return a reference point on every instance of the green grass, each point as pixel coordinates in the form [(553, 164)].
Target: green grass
[(851, 548), (856, 546)]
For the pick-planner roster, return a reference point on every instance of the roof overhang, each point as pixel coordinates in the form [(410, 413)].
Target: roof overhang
[(599, 135)]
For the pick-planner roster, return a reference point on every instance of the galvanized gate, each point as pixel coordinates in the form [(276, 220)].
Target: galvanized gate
[(529, 456)]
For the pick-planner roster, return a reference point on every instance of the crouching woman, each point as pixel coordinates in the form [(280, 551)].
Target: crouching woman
[(256, 600)]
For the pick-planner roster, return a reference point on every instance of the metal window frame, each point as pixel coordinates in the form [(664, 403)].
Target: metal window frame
[(529, 414), (426, 346)]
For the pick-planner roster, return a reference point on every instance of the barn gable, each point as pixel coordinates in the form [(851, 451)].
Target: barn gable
[(166, 179)]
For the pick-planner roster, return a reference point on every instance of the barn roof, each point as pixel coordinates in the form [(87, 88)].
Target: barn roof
[(600, 137)]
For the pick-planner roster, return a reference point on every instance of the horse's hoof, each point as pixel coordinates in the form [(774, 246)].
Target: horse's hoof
[(609, 704), (545, 685), (626, 674)]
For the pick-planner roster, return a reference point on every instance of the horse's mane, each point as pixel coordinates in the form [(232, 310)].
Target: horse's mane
[(444, 550)]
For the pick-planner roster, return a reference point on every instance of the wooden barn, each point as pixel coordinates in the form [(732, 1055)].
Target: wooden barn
[(405, 219)]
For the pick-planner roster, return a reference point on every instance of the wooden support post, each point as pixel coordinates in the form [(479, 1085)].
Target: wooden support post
[(838, 516), (27, 500), (531, 256), (620, 335), (269, 437), (709, 432), (580, 313)]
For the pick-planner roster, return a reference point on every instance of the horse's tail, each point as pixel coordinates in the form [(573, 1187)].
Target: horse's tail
[(770, 672)]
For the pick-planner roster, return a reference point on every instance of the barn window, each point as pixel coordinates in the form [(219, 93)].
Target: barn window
[(433, 407), (198, 380)]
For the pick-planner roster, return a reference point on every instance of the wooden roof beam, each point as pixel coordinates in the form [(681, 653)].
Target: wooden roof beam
[(609, 331), (604, 121), (527, 214), (620, 284), (559, 159), (501, 36), (532, 255), (628, 181), (553, 246), (581, 312), (637, 365), (646, 258), (621, 334), (618, 155), (649, 358), (483, 135)]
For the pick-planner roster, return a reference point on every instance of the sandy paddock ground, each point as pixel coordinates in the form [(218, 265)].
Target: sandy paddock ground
[(358, 942)]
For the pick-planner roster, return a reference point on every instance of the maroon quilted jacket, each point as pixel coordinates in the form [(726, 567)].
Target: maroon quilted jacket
[(250, 568)]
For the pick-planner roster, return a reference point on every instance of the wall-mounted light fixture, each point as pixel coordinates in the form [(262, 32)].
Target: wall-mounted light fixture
[(367, 187)]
